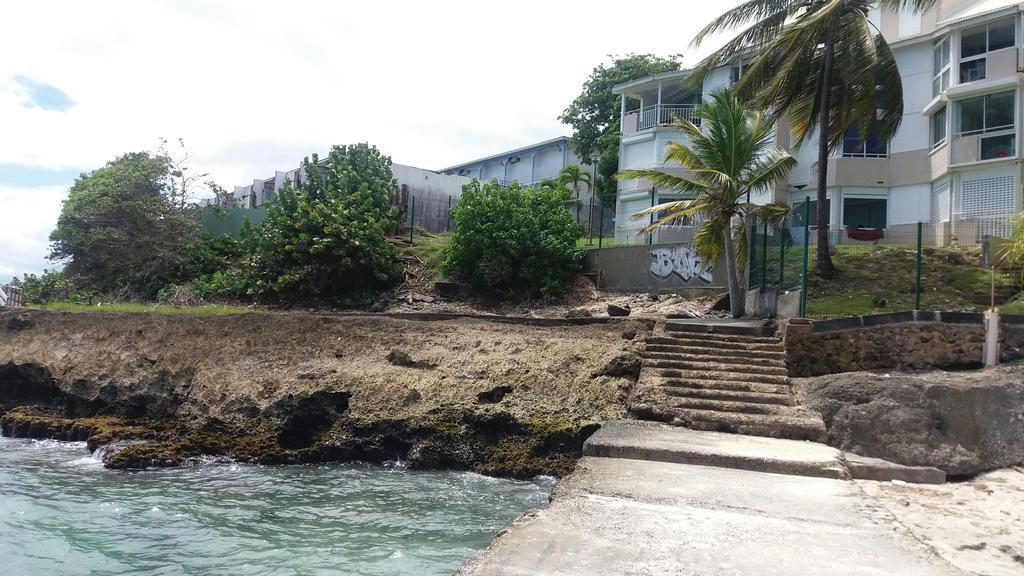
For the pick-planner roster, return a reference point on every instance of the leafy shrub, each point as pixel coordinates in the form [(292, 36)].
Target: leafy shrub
[(513, 239), (51, 286), (324, 240)]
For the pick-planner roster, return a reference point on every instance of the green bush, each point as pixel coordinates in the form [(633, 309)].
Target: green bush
[(51, 286), (324, 240), (513, 239)]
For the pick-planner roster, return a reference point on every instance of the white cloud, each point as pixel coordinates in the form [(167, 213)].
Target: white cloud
[(254, 86), (26, 219)]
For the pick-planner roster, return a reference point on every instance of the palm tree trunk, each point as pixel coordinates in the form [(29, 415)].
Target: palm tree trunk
[(823, 263), (736, 298)]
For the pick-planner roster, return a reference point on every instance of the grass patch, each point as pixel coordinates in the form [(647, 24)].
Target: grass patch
[(876, 279), (430, 249), (138, 307), (586, 243)]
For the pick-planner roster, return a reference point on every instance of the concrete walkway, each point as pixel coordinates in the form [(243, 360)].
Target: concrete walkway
[(655, 517)]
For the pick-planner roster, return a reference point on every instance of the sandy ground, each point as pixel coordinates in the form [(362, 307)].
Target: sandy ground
[(977, 525)]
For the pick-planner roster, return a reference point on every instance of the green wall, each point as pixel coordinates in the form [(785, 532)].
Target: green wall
[(229, 220)]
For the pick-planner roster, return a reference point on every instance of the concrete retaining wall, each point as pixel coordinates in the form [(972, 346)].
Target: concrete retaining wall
[(657, 268), (901, 340)]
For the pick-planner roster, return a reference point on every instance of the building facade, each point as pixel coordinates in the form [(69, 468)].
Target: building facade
[(531, 164), (953, 163)]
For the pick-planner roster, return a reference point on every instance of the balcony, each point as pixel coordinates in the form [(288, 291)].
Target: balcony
[(657, 115)]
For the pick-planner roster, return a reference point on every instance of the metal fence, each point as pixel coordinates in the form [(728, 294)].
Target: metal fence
[(924, 265)]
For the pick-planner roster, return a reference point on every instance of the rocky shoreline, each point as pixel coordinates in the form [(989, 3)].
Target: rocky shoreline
[(156, 391)]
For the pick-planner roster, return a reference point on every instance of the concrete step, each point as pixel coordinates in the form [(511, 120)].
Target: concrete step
[(747, 369), (754, 359), (759, 329), (720, 385), (659, 442), (729, 395), (769, 425), (725, 406), (730, 352), (775, 346), (710, 337), (687, 374)]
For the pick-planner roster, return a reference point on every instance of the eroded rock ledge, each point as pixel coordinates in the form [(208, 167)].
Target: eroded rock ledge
[(156, 390)]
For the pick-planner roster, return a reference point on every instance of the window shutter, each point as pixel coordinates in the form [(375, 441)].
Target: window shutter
[(940, 201)]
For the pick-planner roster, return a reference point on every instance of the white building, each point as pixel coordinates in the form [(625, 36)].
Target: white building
[(954, 162)]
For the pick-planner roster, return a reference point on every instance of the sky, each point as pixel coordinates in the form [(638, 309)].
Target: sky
[(253, 86)]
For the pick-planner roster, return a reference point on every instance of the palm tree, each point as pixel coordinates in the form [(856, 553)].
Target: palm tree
[(821, 65), (573, 176), (733, 156)]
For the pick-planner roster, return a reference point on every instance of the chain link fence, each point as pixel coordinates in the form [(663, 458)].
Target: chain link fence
[(948, 266)]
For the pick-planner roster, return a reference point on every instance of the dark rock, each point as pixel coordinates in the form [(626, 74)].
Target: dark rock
[(401, 358), (305, 418), (628, 334), (494, 395), (578, 313), (960, 422), (450, 289), (627, 366), (20, 322), (616, 310), (721, 302)]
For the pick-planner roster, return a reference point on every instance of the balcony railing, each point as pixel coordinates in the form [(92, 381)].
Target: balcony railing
[(651, 116)]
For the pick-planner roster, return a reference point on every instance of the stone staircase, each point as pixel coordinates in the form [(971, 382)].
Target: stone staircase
[(722, 378)]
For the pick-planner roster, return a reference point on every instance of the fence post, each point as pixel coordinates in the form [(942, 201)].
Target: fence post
[(764, 256), (448, 222), (807, 249), (650, 237), (600, 228), (782, 260), (590, 222), (412, 220), (917, 283)]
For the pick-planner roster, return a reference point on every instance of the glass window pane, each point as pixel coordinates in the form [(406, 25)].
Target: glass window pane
[(864, 212), (939, 127), (998, 147), (1000, 35), (972, 112), (945, 80), (936, 87), (972, 42), (972, 70), (998, 110)]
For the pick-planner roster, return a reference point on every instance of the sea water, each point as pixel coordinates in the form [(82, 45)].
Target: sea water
[(61, 512)]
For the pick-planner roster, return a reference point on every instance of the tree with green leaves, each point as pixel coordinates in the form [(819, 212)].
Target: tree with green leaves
[(594, 114), (822, 66), (513, 239), (325, 239), (572, 177), (118, 231), (733, 156)]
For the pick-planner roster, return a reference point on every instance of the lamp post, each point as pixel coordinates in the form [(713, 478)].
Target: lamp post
[(594, 156)]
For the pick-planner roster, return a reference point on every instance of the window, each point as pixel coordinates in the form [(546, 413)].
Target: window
[(938, 129), (736, 72), (864, 212), (976, 43), (1001, 146), (940, 78), (983, 114), (871, 147)]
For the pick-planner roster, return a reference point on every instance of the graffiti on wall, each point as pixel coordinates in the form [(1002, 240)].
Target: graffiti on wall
[(681, 261)]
